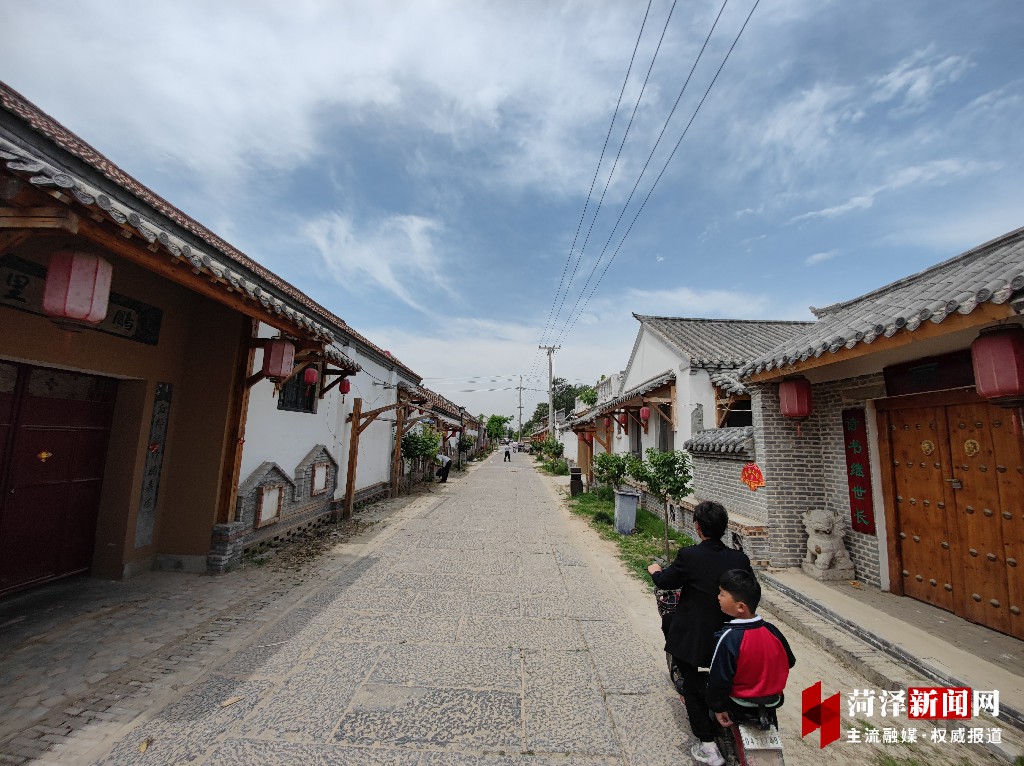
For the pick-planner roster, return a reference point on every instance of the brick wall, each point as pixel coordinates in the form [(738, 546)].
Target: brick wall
[(718, 478)]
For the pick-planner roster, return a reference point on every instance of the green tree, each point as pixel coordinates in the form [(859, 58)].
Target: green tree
[(497, 426), (664, 475), (610, 468), (564, 399)]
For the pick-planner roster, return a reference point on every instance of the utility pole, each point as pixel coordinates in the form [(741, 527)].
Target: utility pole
[(551, 392), (520, 408)]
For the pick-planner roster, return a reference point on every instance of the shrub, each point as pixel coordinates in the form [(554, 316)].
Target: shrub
[(559, 467), (604, 517), (610, 468)]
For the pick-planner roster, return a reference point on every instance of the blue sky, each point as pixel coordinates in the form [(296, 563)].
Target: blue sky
[(421, 168)]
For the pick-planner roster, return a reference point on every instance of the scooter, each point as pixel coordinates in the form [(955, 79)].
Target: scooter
[(754, 739)]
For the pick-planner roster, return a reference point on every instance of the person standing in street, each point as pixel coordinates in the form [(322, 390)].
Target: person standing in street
[(508, 453), (445, 465), (691, 635)]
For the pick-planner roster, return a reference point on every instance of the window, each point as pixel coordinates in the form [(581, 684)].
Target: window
[(321, 473), (296, 396), (666, 436), (269, 509)]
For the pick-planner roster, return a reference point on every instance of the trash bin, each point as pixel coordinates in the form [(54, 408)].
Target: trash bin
[(575, 481), (626, 502)]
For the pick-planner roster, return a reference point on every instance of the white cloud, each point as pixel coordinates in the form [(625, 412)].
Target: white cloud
[(917, 79), (397, 254), (814, 260)]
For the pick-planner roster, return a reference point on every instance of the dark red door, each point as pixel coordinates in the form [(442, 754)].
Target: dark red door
[(54, 442)]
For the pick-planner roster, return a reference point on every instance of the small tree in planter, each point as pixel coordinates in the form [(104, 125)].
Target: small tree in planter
[(664, 475), (611, 468)]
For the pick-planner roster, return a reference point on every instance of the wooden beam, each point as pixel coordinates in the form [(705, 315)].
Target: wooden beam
[(353, 458), (396, 463), (50, 217), (11, 238), (661, 414), (238, 413)]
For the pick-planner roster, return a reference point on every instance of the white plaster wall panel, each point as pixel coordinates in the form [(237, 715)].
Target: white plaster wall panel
[(652, 358)]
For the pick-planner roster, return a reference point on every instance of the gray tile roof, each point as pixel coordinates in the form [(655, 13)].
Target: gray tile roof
[(990, 273), (723, 441), (600, 409), (715, 343), (727, 381)]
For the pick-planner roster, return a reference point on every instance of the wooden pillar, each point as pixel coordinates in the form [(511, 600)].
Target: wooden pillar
[(396, 463), (353, 458), (235, 435)]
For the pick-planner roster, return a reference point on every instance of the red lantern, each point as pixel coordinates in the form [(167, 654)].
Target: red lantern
[(278, 358), (77, 287), (588, 437), (795, 398), (310, 376), (345, 386), (607, 422), (645, 414), (623, 418), (998, 360)]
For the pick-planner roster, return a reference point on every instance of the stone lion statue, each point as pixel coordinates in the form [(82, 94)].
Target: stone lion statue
[(825, 548)]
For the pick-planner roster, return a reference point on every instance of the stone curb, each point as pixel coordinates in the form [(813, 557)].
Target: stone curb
[(878, 661)]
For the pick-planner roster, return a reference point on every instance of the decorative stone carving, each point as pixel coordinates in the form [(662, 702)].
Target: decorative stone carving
[(827, 557)]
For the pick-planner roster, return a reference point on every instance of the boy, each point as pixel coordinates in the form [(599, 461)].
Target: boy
[(752, 658)]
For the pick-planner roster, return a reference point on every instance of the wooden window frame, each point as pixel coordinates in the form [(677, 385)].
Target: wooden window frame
[(313, 491)]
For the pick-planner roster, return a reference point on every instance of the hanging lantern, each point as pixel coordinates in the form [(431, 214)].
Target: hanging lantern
[(345, 386), (607, 422), (588, 437), (77, 287), (645, 414), (278, 358), (623, 418), (795, 399), (998, 359), (310, 376)]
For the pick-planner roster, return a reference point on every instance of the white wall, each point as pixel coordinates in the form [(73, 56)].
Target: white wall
[(653, 357), (286, 438)]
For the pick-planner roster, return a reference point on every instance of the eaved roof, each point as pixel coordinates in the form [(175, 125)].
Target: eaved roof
[(92, 180), (716, 343), (638, 390), (990, 273), (722, 441)]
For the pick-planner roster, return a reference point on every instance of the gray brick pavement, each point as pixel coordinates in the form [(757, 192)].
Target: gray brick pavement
[(468, 627)]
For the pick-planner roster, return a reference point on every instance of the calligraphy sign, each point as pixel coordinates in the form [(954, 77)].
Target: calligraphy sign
[(858, 472), (154, 464), (21, 287)]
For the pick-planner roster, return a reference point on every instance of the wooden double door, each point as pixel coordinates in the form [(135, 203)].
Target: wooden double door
[(957, 492), (54, 429)]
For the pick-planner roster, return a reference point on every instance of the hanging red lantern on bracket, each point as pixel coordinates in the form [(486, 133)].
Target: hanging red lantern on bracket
[(345, 386), (588, 437), (77, 289), (310, 377), (623, 418), (278, 358), (607, 423), (645, 414), (795, 399)]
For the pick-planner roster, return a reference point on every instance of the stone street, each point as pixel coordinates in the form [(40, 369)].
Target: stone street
[(475, 623)]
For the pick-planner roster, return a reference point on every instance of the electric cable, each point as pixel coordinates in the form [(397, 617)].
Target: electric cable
[(643, 170), (663, 169)]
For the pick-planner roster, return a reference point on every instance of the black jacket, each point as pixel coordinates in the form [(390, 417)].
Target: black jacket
[(696, 569)]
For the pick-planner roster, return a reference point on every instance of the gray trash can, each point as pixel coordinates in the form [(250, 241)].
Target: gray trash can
[(626, 502)]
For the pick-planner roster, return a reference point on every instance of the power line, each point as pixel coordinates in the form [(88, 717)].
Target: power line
[(597, 170), (566, 332), (643, 170)]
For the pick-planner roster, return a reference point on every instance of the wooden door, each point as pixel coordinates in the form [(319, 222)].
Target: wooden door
[(52, 471), (920, 447), (988, 489)]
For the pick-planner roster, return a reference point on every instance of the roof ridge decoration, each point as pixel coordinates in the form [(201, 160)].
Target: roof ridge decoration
[(989, 273)]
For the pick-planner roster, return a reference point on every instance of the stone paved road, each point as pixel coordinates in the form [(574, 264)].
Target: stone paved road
[(470, 627)]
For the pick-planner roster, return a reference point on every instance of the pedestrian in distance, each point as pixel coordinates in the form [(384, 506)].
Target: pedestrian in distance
[(444, 466), (752, 658), (696, 570), (508, 454)]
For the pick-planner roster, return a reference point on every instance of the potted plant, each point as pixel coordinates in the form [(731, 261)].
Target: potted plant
[(612, 468)]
